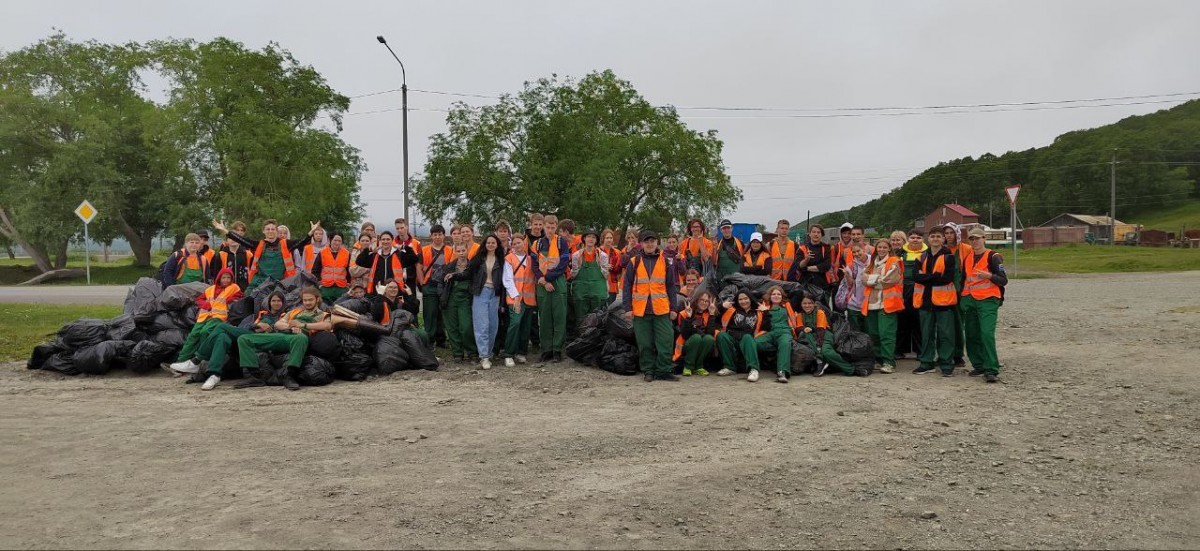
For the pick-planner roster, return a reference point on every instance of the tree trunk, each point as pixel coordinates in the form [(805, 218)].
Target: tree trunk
[(12, 255), (60, 260), (40, 258), (140, 244)]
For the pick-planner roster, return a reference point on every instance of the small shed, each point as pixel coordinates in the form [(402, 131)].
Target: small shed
[(1098, 226), (949, 212)]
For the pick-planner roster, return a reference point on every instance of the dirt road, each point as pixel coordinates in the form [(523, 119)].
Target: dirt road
[(1091, 441)]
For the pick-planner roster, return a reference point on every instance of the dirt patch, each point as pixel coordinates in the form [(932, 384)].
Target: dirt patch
[(1089, 442)]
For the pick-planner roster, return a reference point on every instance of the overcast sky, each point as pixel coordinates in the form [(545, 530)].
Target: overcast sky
[(784, 54)]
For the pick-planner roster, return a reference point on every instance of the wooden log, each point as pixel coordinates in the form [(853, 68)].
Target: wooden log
[(70, 273)]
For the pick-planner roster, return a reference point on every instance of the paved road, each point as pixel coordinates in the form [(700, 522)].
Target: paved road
[(65, 294)]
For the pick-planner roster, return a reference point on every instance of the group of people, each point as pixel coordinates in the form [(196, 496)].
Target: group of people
[(933, 294)]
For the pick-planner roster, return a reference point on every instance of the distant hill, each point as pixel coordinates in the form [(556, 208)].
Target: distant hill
[(1158, 167)]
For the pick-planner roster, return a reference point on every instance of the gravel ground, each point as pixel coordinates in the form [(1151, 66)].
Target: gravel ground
[(1089, 442)]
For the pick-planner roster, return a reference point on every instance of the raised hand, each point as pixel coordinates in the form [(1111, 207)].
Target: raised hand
[(219, 226)]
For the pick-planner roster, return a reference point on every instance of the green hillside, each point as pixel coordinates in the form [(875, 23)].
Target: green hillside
[(1158, 158), (1186, 215)]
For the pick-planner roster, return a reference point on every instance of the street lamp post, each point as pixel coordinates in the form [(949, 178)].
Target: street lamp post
[(403, 116)]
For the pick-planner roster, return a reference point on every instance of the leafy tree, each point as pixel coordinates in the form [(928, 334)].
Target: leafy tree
[(593, 150)]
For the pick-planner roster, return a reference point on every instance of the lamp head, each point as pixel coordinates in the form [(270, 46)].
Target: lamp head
[(381, 39)]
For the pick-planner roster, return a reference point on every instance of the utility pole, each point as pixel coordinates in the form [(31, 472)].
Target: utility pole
[(1112, 210), (403, 116)]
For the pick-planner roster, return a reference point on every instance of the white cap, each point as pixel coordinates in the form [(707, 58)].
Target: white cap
[(756, 237), (846, 226)]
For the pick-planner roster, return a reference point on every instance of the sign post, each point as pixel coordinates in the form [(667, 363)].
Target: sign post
[(1012, 192), (86, 212)]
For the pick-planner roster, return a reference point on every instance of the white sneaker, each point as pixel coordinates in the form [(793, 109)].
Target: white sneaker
[(211, 383), (725, 372), (508, 362), (887, 368), (521, 359), (753, 376), (485, 363), (187, 366)]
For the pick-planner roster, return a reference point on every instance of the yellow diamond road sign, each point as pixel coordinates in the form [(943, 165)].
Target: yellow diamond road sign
[(86, 212)]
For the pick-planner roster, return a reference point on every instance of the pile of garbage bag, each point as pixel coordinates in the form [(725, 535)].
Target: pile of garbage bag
[(155, 323)]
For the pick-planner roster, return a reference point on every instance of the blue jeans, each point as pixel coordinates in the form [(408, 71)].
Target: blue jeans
[(485, 315)]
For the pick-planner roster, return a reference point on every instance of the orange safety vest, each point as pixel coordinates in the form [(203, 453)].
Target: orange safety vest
[(193, 261), (224, 256), (397, 271), (651, 287), (781, 261), (893, 295), (427, 259), (474, 248), (614, 271), (522, 279), (334, 270), (691, 247), (748, 262), (292, 315), (943, 295), (218, 305), (387, 315), (728, 315), (549, 260), (822, 321), (679, 338), (310, 258), (289, 267), (975, 286), (831, 275)]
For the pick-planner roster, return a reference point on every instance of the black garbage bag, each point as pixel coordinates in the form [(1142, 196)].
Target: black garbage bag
[(353, 366), (855, 347), (187, 318), (142, 300), (171, 337), (293, 285), (179, 297), (593, 320), (166, 321), (357, 305), (586, 348), (271, 368), (83, 333), (401, 321), (42, 352), (618, 357), (616, 323), (120, 327), (817, 293), (350, 341), (727, 294), (758, 285), (62, 362), (315, 371), (240, 309), (261, 293), (420, 355), (803, 357), (147, 355), (324, 344), (390, 355), (98, 359)]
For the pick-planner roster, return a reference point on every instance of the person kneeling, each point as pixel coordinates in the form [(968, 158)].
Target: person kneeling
[(741, 323), (813, 329)]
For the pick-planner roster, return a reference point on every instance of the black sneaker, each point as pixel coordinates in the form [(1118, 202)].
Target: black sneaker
[(290, 383), (669, 377), (960, 362), (991, 377), (648, 377), (948, 373), (976, 372), (820, 369), (545, 357), (923, 369), (862, 372), (558, 357)]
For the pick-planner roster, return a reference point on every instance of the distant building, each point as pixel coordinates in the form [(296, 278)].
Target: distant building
[(1098, 226), (949, 212)]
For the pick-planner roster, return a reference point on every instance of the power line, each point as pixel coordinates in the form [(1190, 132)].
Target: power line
[(913, 113)]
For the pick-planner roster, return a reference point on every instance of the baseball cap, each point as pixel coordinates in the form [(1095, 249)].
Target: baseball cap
[(846, 226), (725, 223), (756, 237), (976, 232), (647, 235)]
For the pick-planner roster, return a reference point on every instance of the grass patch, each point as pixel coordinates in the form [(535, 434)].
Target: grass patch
[(1186, 215), (23, 326), (1083, 259), (1185, 310), (116, 272)]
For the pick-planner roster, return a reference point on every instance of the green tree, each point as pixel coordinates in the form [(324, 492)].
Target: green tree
[(245, 121), (593, 150)]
